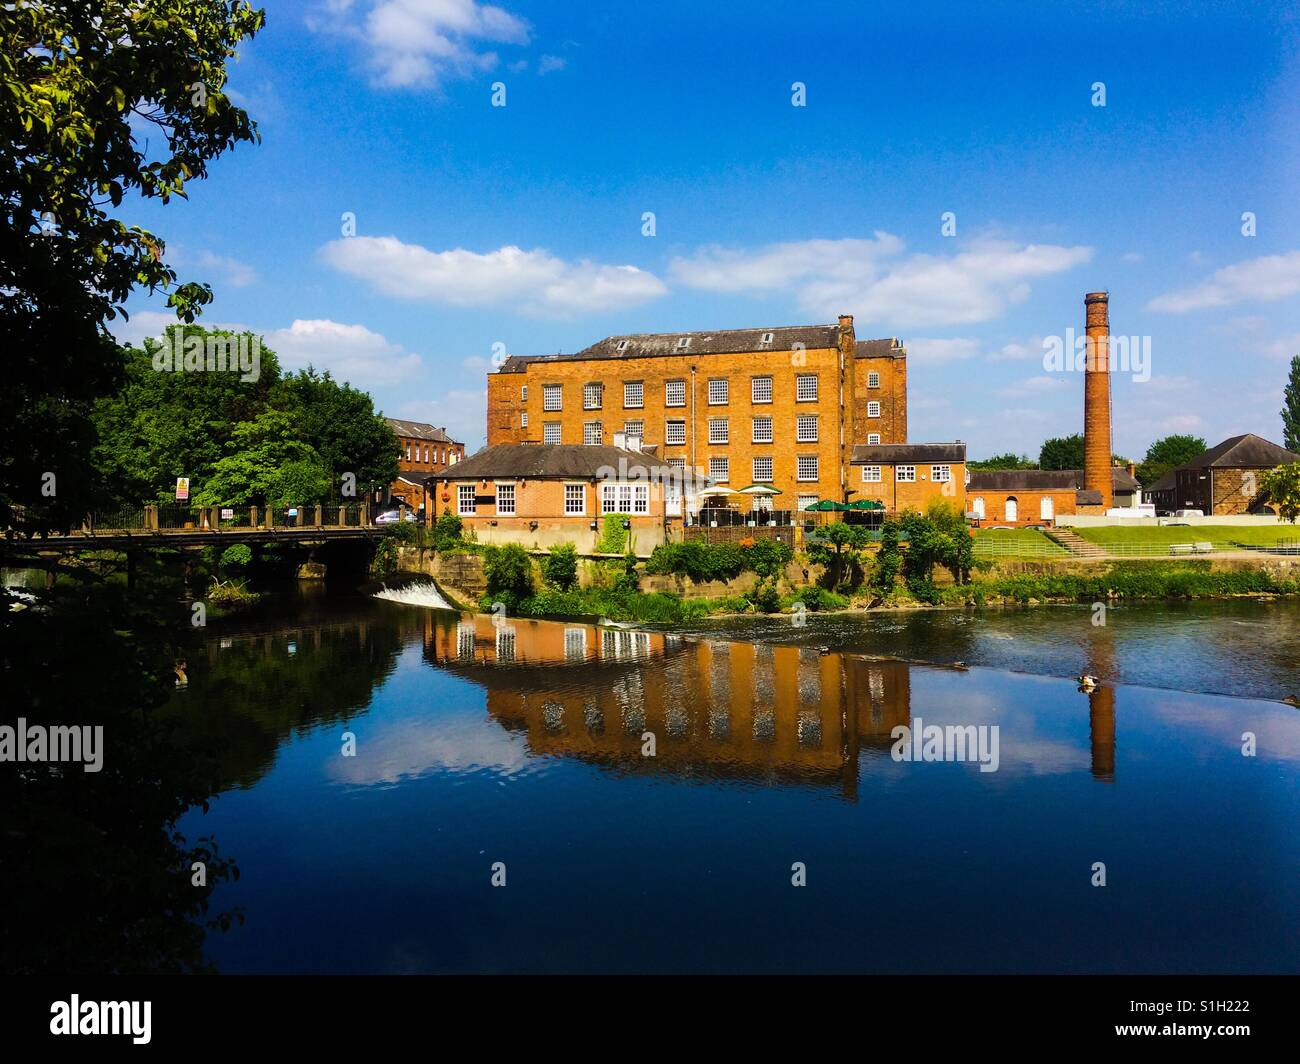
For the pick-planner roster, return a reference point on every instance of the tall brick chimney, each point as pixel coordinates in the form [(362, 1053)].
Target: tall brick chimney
[(1096, 400)]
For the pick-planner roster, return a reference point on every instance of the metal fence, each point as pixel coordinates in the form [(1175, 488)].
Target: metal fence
[(1014, 547)]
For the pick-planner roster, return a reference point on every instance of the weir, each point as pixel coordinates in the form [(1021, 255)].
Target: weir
[(426, 595)]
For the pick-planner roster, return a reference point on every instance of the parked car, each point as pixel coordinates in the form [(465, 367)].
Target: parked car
[(392, 517), (1189, 513)]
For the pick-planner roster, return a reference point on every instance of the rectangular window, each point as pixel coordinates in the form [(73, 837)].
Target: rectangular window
[(674, 433), (719, 391), (762, 470), (762, 430), (871, 474), (633, 395), (805, 501), (551, 432), (575, 500), (634, 428), (873, 409), (625, 498), (523, 420), (674, 393), (593, 433), (552, 396), (593, 395), (906, 474), (941, 474), (677, 463), (523, 394), (408, 450), (806, 467), (805, 388), (719, 432), (505, 500), (873, 380), (806, 428), (760, 390), (873, 439), (719, 470), (465, 499)]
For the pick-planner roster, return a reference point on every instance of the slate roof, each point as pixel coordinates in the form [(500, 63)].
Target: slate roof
[(1087, 498), (711, 342), (517, 461), (1247, 451), (891, 453), (419, 430), (1043, 480)]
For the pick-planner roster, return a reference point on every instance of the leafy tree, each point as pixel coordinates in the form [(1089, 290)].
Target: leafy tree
[(1291, 408), (889, 562), (1062, 453), (1166, 454), (74, 76), (447, 531), (560, 567), (839, 549), (509, 572), (265, 463), (1282, 486), (1003, 461)]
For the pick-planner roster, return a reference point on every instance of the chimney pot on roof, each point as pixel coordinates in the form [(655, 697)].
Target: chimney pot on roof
[(846, 321)]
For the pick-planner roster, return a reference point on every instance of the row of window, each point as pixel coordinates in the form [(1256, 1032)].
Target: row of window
[(440, 455), (614, 499), (807, 467), (906, 474), (807, 430), (718, 392)]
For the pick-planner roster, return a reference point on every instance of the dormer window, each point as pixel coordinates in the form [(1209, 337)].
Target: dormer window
[(767, 338), (683, 343), (621, 345)]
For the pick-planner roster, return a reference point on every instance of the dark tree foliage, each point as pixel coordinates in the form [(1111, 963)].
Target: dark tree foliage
[(1291, 408)]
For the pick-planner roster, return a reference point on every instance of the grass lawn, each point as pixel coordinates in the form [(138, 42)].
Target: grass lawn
[(1220, 535), (1008, 542)]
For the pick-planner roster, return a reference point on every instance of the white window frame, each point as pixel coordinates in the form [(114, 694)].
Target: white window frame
[(754, 395), (634, 395), (758, 437), (463, 492), (799, 467), (510, 487), (800, 421), (873, 380), (547, 428), (719, 430), (941, 474), (523, 393), (806, 388), (723, 464), (671, 438), (638, 432), (552, 397), (719, 386), (619, 497), (905, 474), (873, 439), (523, 420), (871, 474), (593, 395), (873, 409), (572, 491), (802, 502), (769, 464), (588, 433), (670, 387)]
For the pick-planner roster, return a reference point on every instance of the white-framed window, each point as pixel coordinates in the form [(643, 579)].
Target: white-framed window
[(805, 388), (677, 463), (552, 396), (802, 502), (871, 474), (719, 430), (719, 470), (762, 430), (426, 452), (719, 391), (675, 393), (625, 498), (905, 474), (806, 428), (762, 470), (760, 390), (506, 500), (465, 499), (634, 428), (873, 409), (523, 420), (674, 433), (593, 433), (523, 393), (634, 394), (806, 466), (941, 474), (593, 395), (873, 380), (575, 500), (873, 439), (408, 450), (551, 432)]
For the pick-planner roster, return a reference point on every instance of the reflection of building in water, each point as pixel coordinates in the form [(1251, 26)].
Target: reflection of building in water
[(738, 710), (1101, 702)]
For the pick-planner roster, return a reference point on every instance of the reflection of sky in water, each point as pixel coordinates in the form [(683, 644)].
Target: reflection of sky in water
[(764, 756)]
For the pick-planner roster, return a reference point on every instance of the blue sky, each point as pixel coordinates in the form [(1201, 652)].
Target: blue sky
[(522, 225)]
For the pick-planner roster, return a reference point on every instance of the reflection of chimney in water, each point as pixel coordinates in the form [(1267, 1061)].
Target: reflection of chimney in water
[(1101, 702)]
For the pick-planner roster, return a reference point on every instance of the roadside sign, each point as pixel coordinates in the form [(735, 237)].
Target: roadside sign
[(182, 489)]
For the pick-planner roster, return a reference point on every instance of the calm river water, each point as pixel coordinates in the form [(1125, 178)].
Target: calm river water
[(519, 752)]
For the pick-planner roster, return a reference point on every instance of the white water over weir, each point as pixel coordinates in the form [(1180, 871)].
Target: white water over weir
[(416, 595)]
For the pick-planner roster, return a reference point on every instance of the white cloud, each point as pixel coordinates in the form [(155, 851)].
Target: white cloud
[(462, 411), (868, 278), (549, 63), (422, 43), (924, 349), (1262, 280), (532, 282), (237, 274), (141, 325), (350, 352), (1016, 351), (1032, 386)]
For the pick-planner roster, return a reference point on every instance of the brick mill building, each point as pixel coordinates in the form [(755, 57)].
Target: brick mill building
[(1223, 480), (906, 476), (779, 407), (1040, 496), (424, 450)]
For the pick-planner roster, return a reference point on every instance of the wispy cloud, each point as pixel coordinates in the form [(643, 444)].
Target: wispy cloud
[(533, 282), (350, 352), (1262, 280), (924, 349), (873, 280)]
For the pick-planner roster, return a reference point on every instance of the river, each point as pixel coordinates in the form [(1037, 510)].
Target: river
[(517, 754)]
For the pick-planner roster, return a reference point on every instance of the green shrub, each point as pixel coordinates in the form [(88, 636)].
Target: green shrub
[(560, 567), (509, 572), (613, 538), (447, 532), (626, 580), (702, 562), (818, 598), (765, 597), (236, 557)]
